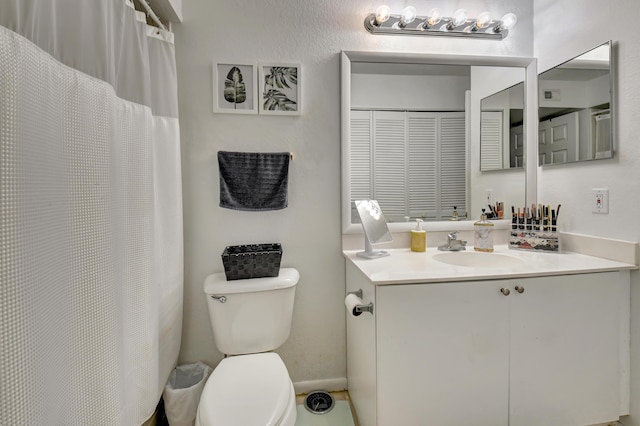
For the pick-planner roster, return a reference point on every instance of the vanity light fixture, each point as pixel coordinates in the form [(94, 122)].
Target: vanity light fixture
[(409, 23), (373, 210)]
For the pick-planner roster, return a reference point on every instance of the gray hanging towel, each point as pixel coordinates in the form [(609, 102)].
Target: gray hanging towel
[(253, 181)]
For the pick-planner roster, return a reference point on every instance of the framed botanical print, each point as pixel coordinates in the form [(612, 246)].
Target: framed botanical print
[(280, 90), (234, 88)]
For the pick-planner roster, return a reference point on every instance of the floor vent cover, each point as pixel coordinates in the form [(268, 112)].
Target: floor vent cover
[(319, 402)]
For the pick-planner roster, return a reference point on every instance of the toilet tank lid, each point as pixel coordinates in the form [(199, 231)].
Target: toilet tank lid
[(218, 284)]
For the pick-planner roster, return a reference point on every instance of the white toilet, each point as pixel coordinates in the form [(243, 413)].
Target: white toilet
[(251, 385)]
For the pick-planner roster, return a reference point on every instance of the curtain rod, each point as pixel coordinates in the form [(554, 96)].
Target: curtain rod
[(152, 14)]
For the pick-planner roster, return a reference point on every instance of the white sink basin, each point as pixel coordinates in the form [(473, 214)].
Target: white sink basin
[(476, 259)]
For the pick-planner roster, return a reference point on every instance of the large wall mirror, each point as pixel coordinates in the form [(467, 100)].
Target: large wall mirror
[(575, 109), (411, 136)]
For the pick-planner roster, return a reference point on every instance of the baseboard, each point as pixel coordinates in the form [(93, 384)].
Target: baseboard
[(329, 385)]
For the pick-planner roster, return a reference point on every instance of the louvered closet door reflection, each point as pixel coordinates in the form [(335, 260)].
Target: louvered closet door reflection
[(452, 163), (422, 164), (361, 154), (389, 178), (413, 163), (491, 137)]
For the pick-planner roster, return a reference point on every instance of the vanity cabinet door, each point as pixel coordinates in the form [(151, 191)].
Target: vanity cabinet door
[(564, 350), (442, 354)]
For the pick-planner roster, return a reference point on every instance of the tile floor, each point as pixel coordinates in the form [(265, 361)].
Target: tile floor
[(341, 415)]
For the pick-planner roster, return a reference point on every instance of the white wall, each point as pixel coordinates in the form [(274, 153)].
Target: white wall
[(312, 33), (557, 39), (575, 94), (409, 92)]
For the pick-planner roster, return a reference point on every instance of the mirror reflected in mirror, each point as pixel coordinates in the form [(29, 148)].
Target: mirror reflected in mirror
[(575, 109), (502, 129)]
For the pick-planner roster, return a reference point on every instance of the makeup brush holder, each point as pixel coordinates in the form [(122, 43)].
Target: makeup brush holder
[(521, 239)]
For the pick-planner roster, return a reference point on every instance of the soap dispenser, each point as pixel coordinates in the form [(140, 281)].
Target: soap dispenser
[(483, 238), (418, 237)]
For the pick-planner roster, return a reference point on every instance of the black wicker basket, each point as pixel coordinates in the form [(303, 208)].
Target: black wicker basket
[(252, 261)]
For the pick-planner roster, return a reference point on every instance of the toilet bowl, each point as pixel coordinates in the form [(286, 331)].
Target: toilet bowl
[(251, 385), (248, 390)]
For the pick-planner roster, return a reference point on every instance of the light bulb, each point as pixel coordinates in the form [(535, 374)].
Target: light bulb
[(482, 20), (382, 14), (407, 16), (434, 18), (459, 18), (507, 22)]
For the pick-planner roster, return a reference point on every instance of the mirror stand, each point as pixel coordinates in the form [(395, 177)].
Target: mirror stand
[(368, 252)]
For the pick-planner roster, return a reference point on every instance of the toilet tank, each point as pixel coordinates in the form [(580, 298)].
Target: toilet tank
[(252, 315)]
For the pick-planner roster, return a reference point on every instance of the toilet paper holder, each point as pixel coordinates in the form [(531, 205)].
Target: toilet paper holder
[(362, 308)]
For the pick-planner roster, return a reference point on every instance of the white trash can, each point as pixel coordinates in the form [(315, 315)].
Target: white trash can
[(182, 393)]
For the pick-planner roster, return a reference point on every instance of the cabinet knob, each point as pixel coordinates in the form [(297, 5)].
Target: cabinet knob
[(505, 291), (519, 289)]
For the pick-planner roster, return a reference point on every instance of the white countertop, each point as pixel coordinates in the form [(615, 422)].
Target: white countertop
[(403, 266)]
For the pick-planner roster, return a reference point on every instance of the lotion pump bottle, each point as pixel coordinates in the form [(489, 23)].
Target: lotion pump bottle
[(483, 239), (418, 237)]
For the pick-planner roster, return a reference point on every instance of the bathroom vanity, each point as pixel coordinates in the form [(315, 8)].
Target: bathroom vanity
[(503, 338)]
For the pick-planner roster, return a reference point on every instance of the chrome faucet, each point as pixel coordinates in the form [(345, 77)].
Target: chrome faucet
[(453, 243)]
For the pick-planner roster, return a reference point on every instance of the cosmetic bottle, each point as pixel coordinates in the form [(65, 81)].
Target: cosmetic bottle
[(418, 237), (454, 214), (483, 238)]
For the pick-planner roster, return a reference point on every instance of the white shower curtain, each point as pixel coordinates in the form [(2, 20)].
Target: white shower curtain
[(91, 265)]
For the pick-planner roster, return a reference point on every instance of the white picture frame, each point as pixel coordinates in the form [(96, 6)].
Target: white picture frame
[(234, 88), (280, 88)]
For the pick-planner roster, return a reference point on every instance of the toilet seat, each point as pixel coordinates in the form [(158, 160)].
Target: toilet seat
[(250, 389)]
